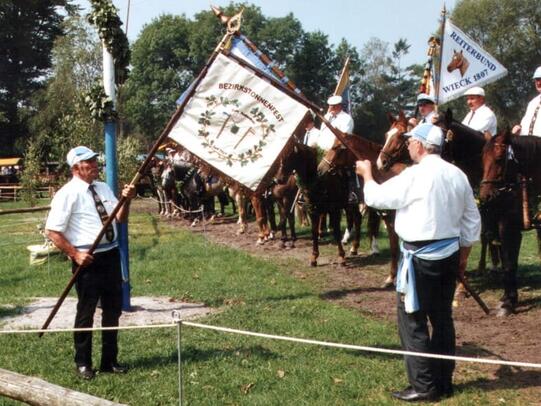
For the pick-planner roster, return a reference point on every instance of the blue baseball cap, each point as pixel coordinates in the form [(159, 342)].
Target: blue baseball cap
[(78, 154), (428, 133)]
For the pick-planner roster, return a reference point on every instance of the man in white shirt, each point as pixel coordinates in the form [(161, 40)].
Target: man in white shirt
[(427, 110), (339, 119), (480, 117), (531, 122), (78, 212), (311, 136), (438, 221)]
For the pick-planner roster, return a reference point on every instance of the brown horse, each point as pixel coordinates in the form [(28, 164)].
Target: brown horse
[(341, 157), (323, 193), (458, 61), (506, 161)]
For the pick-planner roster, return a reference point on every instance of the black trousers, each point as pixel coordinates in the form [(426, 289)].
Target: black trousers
[(102, 280), (435, 282)]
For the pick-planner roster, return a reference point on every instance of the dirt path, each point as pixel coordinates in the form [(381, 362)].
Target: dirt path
[(358, 286)]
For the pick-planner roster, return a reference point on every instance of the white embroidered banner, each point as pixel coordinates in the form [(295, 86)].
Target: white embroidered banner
[(464, 64), (237, 122)]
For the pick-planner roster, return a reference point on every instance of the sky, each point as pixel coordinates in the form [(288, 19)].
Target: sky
[(355, 20)]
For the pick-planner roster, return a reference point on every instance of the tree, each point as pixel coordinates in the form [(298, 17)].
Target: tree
[(28, 29), (60, 119), (510, 30)]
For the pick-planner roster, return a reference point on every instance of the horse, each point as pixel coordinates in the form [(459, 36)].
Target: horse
[(322, 193), (340, 156), (458, 61), (507, 161)]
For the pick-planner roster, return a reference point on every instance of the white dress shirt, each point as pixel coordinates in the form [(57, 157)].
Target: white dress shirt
[(427, 118), (483, 119), (341, 121), (528, 117), (73, 213), (311, 137), (433, 200)]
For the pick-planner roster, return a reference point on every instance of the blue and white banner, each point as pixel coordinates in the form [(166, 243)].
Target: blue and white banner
[(237, 122), (464, 64)]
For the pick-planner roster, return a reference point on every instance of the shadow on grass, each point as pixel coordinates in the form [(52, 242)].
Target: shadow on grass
[(383, 258), (10, 311), (194, 354), (337, 294)]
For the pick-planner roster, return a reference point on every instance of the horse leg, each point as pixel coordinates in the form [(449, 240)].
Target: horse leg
[(394, 248), (373, 222), (322, 225), (271, 218), (242, 213), (315, 216), (334, 221), (357, 219), (260, 218), (511, 237), (349, 224), (291, 220)]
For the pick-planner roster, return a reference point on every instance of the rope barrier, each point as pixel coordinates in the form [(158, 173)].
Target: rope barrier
[(286, 338)]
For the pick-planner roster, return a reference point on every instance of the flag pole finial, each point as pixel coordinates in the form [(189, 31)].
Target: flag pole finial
[(231, 22)]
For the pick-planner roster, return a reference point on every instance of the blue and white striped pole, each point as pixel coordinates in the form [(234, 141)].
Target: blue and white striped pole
[(111, 174)]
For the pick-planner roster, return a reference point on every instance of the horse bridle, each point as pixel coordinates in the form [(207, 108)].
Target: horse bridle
[(504, 184)]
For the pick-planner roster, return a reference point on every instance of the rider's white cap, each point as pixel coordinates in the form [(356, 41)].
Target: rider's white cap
[(78, 154), (334, 100), (423, 98), (475, 91), (537, 73)]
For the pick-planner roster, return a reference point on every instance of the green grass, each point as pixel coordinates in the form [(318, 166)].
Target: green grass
[(219, 368)]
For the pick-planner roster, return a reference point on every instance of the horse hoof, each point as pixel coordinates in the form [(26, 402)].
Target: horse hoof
[(389, 283), (342, 261), (260, 241), (353, 252), (504, 312), (313, 263)]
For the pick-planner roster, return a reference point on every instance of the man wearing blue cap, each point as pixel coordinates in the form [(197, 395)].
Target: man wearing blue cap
[(438, 221), (78, 211), (531, 122)]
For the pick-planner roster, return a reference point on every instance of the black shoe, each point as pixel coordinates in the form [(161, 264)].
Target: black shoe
[(410, 395), (114, 368), (84, 372)]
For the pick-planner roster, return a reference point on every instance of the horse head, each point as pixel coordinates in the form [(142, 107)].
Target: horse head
[(458, 61), (395, 148), (302, 159), (499, 167), (337, 156)]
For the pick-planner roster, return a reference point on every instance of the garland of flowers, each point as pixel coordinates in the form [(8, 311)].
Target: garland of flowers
[(104, 16), (243, 158)]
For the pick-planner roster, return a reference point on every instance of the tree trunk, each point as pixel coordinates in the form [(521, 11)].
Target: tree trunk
[(35, 391)]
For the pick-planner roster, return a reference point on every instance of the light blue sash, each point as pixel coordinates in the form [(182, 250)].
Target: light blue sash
[(405, 280)]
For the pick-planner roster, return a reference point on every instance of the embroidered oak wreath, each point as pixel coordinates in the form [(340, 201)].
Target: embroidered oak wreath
[(260, 126)]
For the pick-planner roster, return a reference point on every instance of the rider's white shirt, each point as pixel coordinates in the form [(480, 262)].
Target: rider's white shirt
[(341, 121), (311, 137), (528, 116), (483, 119)]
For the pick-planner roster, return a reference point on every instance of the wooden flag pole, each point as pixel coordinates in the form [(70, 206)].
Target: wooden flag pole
[(439, 59)]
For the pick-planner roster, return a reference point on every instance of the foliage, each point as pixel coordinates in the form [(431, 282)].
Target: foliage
[(510, 30), (104, 16), (30, 176), (128, 152), (100, 105), (61, 120), (28, 29)]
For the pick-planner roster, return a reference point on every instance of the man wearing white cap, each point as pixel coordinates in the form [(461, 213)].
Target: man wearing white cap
[(531, 122), (438, 221), (78, 211), (480, 117), (426, 107), (339, 119)]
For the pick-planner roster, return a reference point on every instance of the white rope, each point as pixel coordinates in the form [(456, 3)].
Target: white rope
[(363, 348), (286, 338)]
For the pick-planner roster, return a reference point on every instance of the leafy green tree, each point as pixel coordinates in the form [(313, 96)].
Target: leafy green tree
[(60, 118), (510, 30), (28, 29)]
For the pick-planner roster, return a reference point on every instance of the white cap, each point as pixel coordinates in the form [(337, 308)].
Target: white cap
[(426, 132), (537, 73), (78, 154), (475, 91), (334, 100), (423, 97)]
